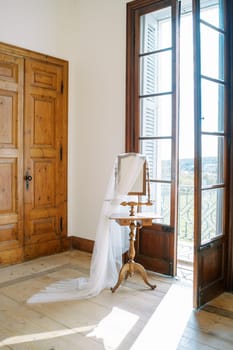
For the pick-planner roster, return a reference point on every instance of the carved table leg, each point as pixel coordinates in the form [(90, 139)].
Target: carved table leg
[(143, 273), (130, 267), (124, 270)]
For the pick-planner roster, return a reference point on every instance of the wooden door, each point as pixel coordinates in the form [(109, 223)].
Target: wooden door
[(152, 120), (44, 159), (11, 162), (211, 150), (33, 154)]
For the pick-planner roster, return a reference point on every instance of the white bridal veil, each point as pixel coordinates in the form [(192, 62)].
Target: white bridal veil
[(110, 243)]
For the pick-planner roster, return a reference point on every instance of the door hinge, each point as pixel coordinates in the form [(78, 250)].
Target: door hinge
[(62, 87), (61, 152), (61, 224)]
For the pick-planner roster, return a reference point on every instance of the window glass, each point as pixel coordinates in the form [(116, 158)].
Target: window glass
[(155, 30), (159, 157), (155, 116), (212, 53), (212, 160), (212, 12), (212, 208), (161, 197), (155, 73), (212, 109)]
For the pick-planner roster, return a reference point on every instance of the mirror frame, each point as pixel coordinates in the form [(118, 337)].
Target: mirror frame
[(139, 187)]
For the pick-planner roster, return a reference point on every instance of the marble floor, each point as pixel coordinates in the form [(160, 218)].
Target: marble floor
[(134, 317)]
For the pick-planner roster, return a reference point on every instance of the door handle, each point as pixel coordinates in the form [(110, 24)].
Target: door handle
[(27, 178)]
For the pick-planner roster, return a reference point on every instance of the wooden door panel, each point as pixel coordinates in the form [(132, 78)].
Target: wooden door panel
[(8, 121), (11, 165), (44, 174), (8, 233), (211, 271), (44, 226), (10, 68), (45, 196), (44, 213), (40, 228), (44, 121), (155, 250), (44, 76), (8, 186)]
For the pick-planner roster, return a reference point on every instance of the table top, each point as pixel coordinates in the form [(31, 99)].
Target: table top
[(138, 216)]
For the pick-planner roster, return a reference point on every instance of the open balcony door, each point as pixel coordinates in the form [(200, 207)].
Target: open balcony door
[(152, 118), (211, 149)]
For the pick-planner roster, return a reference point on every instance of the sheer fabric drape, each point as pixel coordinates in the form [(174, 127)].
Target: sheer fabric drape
[(110, 243)]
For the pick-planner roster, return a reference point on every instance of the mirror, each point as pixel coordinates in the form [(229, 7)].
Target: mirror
[(134, 166), (124, 161)]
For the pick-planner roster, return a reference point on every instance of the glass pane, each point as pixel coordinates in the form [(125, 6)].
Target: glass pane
[(161, 198), (212, 12), (186, 110), (155, 73), (186, 213), (155, 116), (158, 153), (212, 111), (155, 30), (212, 214), (212, 53), (212, 160)]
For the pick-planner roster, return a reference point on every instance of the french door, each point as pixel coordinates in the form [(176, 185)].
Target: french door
[(152, 128), (211, 149), (152, 117)]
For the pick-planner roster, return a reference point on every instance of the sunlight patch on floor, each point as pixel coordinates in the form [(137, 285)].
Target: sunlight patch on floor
[(165, 327), (19, 339), (163, 330), (114, 327)]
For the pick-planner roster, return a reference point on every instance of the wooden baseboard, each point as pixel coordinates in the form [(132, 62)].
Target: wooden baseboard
[(66, 243), (83, 244)]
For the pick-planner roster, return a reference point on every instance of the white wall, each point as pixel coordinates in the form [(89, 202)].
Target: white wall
[(91, 36)]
